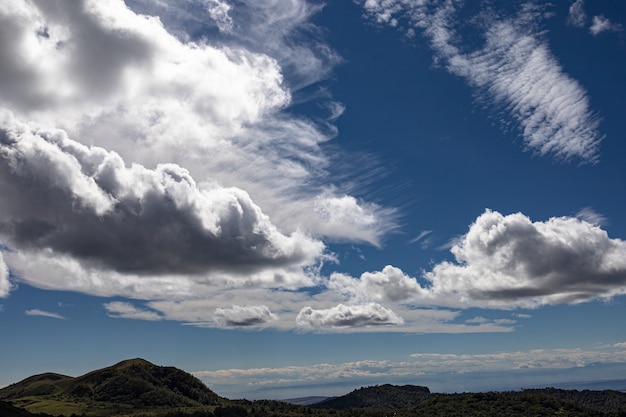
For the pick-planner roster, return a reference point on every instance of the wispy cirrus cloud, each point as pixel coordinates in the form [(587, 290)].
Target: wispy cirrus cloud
[(42, 313), (513, 70), (423, 239), (590, 215), (280, 29)]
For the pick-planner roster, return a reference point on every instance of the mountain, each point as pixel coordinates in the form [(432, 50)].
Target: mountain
[(134, 383), (379, 396)]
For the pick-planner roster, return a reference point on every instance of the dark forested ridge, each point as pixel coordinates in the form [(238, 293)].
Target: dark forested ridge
[(379, 396), (598, 400), (138, 388), (410, 400)]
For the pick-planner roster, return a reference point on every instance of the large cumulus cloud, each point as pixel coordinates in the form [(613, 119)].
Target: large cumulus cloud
[(85, 202), (511, 261), (503, 262)]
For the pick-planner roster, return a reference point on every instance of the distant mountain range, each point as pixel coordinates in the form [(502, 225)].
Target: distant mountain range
[(307, 400), (139, 388)]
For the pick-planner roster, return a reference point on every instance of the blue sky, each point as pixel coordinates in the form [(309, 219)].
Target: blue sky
[(292, 198)]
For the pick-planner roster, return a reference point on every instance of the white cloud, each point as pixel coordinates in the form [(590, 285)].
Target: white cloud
[(510, 261), (421, 236), (599, 23), (514, 69), (388, 285), (503, 262), (41, 313), (218, 10), (602, 24), (124, 310), (243, 316), (5, 283), (577, 16), (344, 218), (347, 316), (589, 215)]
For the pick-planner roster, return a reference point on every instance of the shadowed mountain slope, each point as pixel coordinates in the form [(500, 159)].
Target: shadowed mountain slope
[(8, 410)]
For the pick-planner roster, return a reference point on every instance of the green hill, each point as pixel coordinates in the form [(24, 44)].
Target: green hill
[(37, 385), (130, 384)]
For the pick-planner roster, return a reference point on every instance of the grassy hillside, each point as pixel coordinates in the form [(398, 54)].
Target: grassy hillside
[(37, 385), (128, 385)]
